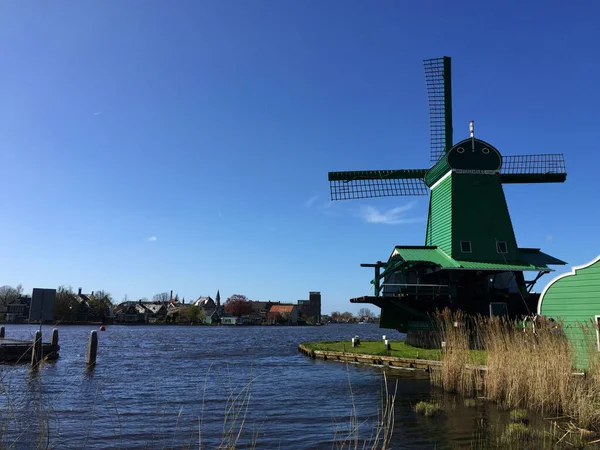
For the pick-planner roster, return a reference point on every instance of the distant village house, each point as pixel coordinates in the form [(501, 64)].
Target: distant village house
[(283, 314)]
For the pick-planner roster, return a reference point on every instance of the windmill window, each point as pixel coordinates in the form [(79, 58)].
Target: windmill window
[(460, 150), (501, 247), (465, 246), (485, 151)]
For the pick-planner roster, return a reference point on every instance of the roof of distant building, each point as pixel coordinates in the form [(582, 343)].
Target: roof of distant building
[(203, 300), (258, 305), (154, 307), (282, 308)]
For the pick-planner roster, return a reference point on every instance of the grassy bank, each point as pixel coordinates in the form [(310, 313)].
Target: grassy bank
[(399, 349)]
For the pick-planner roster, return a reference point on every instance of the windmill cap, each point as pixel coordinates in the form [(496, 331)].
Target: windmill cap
[(474, 154)]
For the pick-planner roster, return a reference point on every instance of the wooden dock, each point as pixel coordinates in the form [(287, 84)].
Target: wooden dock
[(425, 365), (16, 350), (375, 360)]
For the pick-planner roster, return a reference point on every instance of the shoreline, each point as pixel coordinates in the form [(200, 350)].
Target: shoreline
[(378, 360)]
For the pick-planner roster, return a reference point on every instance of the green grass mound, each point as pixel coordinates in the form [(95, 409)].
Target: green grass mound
[(399, 349), (470, 402), (429, 409), (519, 416), (516, 434)]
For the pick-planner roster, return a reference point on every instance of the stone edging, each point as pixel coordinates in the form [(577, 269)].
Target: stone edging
[(375, 360)]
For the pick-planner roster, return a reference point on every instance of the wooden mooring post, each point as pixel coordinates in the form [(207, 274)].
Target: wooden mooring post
[(54, 340), (36, 351), (1, 332), (92, 349)]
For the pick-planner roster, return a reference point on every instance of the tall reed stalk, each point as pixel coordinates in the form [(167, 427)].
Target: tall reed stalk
[(381, 431)]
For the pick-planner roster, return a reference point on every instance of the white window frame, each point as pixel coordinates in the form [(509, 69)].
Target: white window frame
[(470, 247)]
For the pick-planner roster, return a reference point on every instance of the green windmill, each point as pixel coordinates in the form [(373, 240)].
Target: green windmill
[(470, 259)]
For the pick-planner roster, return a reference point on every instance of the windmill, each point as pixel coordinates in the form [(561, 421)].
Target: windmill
[(470, 259)]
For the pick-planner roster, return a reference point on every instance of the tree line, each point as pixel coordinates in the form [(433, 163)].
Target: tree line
[(363, 313), (66, 304)]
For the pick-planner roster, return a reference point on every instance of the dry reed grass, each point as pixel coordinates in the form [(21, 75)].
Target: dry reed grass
[(454, 375), (526, 368)]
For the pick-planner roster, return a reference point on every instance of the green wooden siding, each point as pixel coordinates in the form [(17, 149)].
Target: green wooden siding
[(437, 171), (439, 223), (574, 299), (480, 215)]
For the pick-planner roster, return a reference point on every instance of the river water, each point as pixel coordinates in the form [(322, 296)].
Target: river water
[(172, 386)]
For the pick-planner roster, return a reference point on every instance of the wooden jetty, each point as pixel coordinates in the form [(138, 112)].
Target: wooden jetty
[(18, 350), (425, 365)]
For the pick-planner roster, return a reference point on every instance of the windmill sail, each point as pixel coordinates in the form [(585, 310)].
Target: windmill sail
[(439, 94), (376, 183), (542, 168)]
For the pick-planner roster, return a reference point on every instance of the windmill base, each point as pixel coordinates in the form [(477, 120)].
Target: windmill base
[(423, 338), (415, 319)]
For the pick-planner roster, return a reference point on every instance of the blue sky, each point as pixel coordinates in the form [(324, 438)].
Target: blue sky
[(149, 146)]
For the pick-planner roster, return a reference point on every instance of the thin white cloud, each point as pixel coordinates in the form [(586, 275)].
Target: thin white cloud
[(549, 238), (97, 113), (394, 216), (308, 203), (326, 208), (220, 215), (152, 239)]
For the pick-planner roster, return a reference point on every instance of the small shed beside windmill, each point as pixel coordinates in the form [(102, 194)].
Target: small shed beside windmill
[(574, 299)]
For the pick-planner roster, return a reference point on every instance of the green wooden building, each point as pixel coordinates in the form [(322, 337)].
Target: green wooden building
[(573, 298)]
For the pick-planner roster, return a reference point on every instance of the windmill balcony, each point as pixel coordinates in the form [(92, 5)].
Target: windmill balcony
[(415, 290)]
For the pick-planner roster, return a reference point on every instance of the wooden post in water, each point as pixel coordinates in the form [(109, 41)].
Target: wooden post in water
[(54, 340), (36, 351), (1, 332), (92, 349)]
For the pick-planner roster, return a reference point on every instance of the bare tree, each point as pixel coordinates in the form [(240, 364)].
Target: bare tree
[(100, 302), (9, 293), (162, 297), (365, 312), (102, 295), (65, 304), (347, 316)]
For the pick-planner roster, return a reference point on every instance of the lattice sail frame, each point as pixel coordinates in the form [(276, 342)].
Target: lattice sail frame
[(376, 183), (438, 80), (356, 189), (541, 164)]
